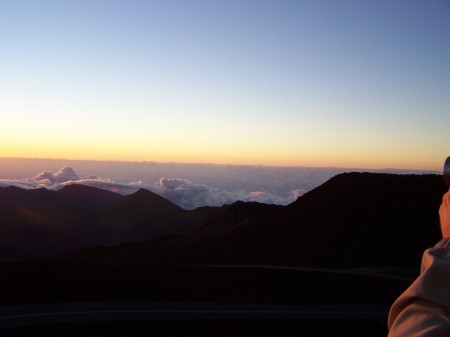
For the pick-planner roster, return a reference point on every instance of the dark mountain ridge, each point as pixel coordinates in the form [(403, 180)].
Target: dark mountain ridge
[(41, 223), (352, 219), (378, 217), (81, 195)]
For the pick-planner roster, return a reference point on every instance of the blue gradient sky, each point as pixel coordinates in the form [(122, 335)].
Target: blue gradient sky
[(314, 83)]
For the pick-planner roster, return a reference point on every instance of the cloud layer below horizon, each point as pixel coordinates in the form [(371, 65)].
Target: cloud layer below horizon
[(183, 192)]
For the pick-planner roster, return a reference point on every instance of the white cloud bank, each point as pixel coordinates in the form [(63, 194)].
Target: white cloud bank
[(182, 192)]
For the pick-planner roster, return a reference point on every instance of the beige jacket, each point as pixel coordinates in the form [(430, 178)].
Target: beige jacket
[(424, 308)]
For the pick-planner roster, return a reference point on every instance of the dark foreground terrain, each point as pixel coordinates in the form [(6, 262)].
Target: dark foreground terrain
[(353, 245), (207, 328), (281, 302), (49, 283)]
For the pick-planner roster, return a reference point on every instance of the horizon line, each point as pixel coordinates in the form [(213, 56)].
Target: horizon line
[(222, 164)]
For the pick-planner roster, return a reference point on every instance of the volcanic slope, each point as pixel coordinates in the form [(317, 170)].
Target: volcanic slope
[(354, 219), (41, 223)]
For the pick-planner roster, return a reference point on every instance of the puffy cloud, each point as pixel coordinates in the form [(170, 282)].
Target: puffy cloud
[(173, 183), (67, 173), (46, 176)]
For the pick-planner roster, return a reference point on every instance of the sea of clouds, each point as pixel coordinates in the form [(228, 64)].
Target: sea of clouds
[(183, 192), (187, 185)]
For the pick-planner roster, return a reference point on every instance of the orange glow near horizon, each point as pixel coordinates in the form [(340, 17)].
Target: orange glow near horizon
[(200, 148), (222, 156)]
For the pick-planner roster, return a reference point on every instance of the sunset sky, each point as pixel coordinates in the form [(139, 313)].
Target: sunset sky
[(312, 83)]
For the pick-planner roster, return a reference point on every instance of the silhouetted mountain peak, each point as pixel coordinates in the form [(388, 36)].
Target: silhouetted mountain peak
[(143, 193), (149, 202)]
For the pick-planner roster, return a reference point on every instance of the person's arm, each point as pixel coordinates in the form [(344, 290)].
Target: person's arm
[(444, 215), (424, 308)]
